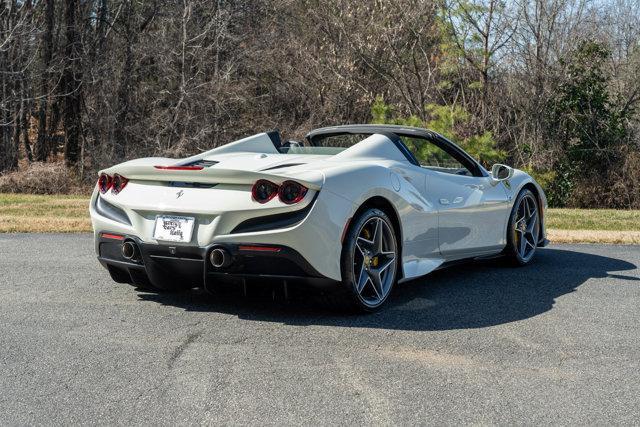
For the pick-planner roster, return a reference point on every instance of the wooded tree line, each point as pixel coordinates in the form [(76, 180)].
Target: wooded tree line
[(551, 86)]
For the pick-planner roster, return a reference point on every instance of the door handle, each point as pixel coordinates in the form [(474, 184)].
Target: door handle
[(475, 186), (447, 202)]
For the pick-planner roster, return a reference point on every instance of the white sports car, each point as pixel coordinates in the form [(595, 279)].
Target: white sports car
[(356, 208)]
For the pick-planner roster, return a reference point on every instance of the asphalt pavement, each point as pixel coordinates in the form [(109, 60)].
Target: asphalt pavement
[(557, 342)]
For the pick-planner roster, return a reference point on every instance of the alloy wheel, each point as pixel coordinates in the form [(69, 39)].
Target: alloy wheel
[(374, 261), (526, 227)]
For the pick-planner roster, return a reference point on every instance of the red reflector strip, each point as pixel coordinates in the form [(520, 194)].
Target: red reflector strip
[(259, 248), (180, 168), (112, 236)]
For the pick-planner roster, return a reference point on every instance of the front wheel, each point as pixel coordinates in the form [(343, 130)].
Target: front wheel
[(524, 229), (369, 260)]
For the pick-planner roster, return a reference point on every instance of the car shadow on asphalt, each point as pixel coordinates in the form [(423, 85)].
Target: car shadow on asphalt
[(472, 295)]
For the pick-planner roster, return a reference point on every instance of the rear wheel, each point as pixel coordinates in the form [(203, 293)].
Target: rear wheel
[(369, 260), (524, 228)]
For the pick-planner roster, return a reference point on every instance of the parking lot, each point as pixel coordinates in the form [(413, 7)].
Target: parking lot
[(555, 342)]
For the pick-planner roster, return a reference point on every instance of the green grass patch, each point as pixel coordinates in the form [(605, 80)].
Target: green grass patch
[(63, 206), (68, 214), (28, 213), (593, 219)]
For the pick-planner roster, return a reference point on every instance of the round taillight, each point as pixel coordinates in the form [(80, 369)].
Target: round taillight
[(104, 183), (291, 192), (119, 182), (264, 190)]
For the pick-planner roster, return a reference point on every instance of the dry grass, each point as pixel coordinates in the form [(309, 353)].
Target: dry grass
[(24, 213), (594, 236), (593, 219), (594, 226)]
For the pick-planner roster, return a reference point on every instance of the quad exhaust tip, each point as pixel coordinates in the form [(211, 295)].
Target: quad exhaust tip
[(130, 251), (220, 258)]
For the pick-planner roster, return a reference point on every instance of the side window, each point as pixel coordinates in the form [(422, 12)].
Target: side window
[(431, 156)]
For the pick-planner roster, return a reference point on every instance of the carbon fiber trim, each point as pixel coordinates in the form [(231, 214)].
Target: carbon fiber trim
[(274, 222)]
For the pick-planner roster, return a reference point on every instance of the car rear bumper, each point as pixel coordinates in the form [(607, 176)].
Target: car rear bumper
[(313, 230), (191, 266)]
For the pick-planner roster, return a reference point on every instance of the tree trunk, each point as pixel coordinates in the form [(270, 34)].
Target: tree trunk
[(53, 140), (101, 27), (25, 132), (71, 81), (42, 148), (3, 95), (122, 113), (12, 152), (8, 114)]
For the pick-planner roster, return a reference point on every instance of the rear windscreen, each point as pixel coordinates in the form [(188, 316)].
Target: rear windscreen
[(323, 144), (343, 141), (307, 149)]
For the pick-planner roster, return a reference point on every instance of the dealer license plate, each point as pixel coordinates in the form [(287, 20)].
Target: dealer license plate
[(173, 228)]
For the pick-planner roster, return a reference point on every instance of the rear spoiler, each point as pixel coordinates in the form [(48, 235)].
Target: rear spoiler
[(310, 179)]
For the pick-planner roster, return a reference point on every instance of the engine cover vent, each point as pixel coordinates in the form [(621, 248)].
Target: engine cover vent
[(286, 165), (203, 163)]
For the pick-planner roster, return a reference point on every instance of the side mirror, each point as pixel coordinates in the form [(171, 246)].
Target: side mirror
[(501, 172)]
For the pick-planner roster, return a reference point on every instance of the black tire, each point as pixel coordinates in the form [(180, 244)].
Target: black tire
[(358, 300), (516, 231)]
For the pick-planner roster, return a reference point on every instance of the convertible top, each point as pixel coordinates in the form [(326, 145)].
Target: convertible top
[(371, 129), (393, 132)]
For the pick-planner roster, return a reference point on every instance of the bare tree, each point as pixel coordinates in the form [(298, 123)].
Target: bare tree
[(42, 147), (16, 29), (72, 85), (480, 30), (101, 81)]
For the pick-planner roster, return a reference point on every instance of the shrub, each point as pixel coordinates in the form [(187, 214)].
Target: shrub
[(42, 178), (591, 128)]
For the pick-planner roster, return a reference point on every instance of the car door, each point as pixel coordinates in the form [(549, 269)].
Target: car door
[(472, 213), (472, 209)]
